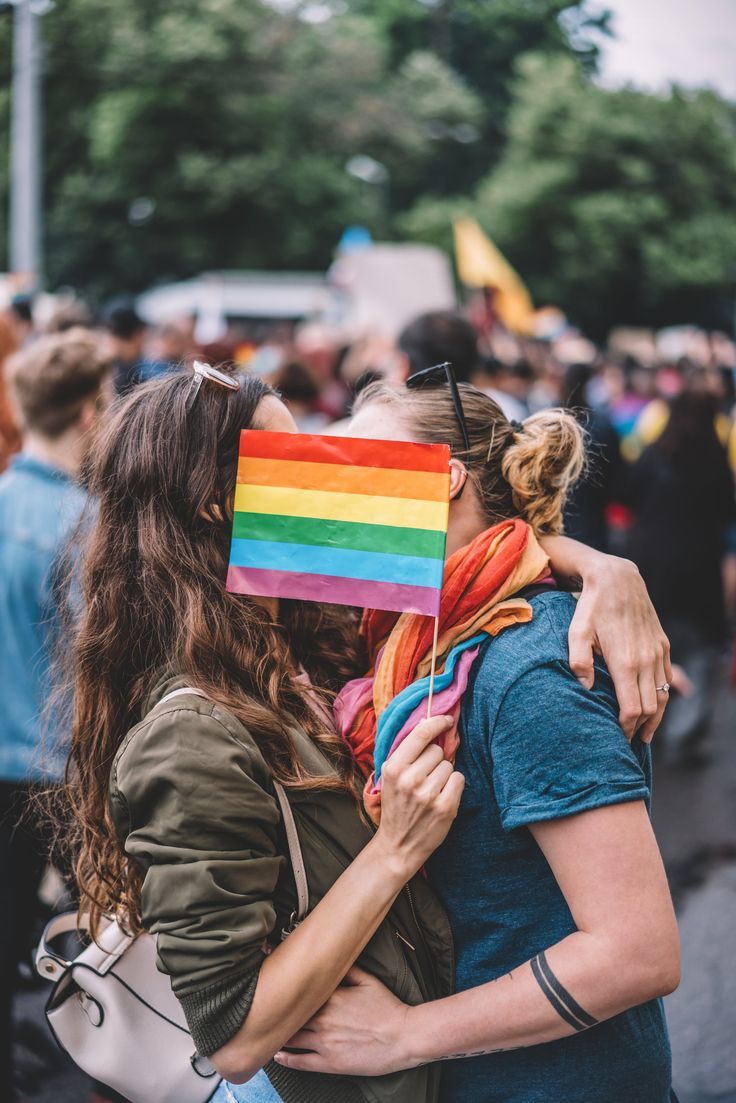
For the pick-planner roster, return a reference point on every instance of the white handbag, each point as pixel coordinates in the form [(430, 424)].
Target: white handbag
[(115, 1014)]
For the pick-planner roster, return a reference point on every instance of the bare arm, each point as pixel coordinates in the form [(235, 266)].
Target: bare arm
[(616, 619), (420, 797), (624, 952)]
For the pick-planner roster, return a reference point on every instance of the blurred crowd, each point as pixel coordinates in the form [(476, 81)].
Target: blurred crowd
[(658, 488)]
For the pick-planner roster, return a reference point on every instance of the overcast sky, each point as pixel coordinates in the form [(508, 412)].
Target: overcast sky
[(657, 41)]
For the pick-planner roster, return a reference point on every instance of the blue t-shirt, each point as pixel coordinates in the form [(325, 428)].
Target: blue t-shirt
[(39, 508), (537, 746)]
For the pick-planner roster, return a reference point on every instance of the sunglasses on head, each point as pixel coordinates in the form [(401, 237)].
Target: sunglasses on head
[(438, 376), (206, 371)]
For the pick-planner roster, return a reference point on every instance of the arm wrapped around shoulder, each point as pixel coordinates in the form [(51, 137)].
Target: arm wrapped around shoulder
[(192, 798)]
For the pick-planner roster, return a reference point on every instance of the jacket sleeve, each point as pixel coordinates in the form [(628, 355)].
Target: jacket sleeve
[(191, 801)]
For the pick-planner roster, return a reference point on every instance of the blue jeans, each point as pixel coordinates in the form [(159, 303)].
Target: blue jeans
[(258, 1090)]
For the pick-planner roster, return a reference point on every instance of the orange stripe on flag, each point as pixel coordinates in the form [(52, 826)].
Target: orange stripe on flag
[(392, 483)]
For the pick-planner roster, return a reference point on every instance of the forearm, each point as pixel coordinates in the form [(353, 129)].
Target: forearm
[(304, 970), (573, 562), (571, 987)]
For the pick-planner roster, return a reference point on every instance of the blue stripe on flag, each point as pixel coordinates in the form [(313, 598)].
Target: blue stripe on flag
[(403, 570)]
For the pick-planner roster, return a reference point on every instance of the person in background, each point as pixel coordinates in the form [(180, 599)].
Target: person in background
[(299, 392), (681, 490), (9, 432), (653, 419), (59, 387), (171, 343), (507, 385), (69, 314), (319, 348), (726, 429), (435, 337), (585, 510), (20, 315), (634, 392), (126, 335)]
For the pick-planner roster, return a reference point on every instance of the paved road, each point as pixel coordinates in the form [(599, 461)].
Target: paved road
[(695, 820)]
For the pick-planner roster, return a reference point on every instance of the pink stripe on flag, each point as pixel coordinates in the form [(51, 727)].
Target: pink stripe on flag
[(337, 591)]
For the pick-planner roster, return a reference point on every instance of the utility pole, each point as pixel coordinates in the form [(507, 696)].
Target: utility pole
[(25, 147)]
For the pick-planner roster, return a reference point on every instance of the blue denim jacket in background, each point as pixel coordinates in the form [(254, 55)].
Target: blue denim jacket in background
[(39, 507)]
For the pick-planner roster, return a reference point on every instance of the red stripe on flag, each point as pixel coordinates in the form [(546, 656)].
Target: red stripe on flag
[(261, 444)]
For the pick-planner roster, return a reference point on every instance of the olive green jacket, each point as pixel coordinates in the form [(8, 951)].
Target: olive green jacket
[(193, 802)]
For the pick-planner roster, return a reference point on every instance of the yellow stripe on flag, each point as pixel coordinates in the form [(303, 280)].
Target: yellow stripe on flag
[(367, 509)]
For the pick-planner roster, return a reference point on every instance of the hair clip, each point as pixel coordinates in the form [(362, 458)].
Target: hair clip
[(490, 446)]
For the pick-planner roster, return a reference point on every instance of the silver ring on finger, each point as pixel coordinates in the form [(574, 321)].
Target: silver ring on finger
[(664, 688)]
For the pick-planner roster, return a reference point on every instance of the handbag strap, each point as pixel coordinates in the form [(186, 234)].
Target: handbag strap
[(113, 942), (49, 964), (292, 835)]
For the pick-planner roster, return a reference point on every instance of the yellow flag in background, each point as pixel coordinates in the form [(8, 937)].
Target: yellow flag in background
[(480, 264)]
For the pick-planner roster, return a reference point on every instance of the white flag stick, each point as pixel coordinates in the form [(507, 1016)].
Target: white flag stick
[(432, 668)]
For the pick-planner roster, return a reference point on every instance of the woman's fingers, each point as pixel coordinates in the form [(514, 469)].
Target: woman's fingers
[(439, 776), (625, 675), (306, 1062), (416, 813), (652, 703), (653, 721), (636, 671), (669, 670), (580, 642), (615, 618), (449, 799), (303, 1039), (417, 741), (428, 760), (413, 776)]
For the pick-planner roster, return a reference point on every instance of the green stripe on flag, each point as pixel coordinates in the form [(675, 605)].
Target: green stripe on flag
[(423, 543)]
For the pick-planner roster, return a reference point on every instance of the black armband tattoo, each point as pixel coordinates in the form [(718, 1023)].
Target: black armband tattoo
[(564, 1004)]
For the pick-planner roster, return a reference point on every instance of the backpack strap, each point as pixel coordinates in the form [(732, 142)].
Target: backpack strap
[(535, 589), (292, 835)]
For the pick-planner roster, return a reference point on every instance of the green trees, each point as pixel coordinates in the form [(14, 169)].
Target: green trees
[(190, 134), (617, 206), (182, 135)]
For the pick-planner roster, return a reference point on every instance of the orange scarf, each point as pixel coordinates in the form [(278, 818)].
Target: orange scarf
[(477, 596)]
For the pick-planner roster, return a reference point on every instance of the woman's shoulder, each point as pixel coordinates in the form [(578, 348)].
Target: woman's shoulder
[(178, 744), (541, 640)]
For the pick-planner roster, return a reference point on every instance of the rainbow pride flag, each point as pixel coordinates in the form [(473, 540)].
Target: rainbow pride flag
[(340, 520)]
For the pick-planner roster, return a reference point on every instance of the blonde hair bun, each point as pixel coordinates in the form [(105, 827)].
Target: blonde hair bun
[(542, 465)]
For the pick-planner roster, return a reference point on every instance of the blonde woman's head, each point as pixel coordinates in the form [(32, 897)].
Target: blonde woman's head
[(525, 471)]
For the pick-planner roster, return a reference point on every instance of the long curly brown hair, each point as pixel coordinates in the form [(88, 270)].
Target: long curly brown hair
[(162, 476)]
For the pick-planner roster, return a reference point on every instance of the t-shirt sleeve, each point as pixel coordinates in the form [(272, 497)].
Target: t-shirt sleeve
[(558, 749)]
